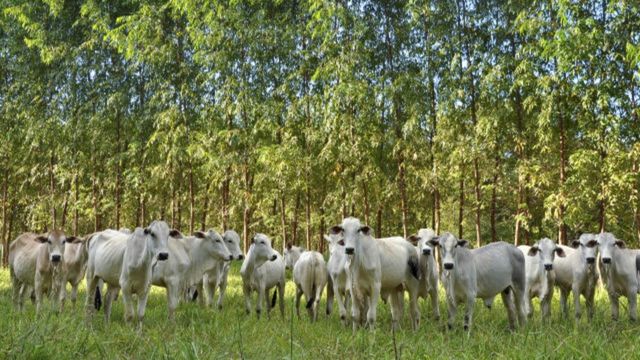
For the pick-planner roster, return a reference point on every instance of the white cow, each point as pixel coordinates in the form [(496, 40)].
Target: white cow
[(75, 265), (379, 267), (262, 269), (619, 268), (309, 275), (217, 276), (36, 263), (540, 276), (576, 272), (189, 258), (338, 281), (481, 273), (428, 268), (125, 261)]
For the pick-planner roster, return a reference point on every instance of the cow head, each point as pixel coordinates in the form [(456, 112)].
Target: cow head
[(291, 255), (55, 241), (587, 244), (449, 245), (232, 242), (336, 242), (213, 245), (607, 244), (262, 250), (157, 236), (421, 241), (352, 232), (547, 250)]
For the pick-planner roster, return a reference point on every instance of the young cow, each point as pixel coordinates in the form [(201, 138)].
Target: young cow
[(576, 272), (619, 271), (262, 269), (481, 273), (338, 281), (217, 276), (428, 268), (36, 263), (379, 266), (309, 275), (540, 275), (125, 261), (75, 265)]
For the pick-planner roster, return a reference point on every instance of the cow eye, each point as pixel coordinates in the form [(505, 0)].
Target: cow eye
[(49, 242), (218, 241), (341, 242)]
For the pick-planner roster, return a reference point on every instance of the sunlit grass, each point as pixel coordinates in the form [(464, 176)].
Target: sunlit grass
[(211, 334)]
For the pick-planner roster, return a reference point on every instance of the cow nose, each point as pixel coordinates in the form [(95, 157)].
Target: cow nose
[(548, 267), (426, 251), (56, 258), (230, 257), (163, 256), (448, 266), (274, 257), (606, 260), (348, 251), (591, 260), (240, 257)]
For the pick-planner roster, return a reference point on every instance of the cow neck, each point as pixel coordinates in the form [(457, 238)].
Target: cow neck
[(146, 255), (297, 252), (201, 262), (365, 244), (249, 264)]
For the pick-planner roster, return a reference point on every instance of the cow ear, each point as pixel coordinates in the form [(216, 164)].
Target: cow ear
[(335, 230), (560, 252), (73, 240), (289, 245), (327, 238), (42, 239), (198, 234), (147, 231), (621, 244), (175, 234), (253, 240), (463, 243), (414, 239), (533, 251), (575, 244), (435, 241), (365, 230)]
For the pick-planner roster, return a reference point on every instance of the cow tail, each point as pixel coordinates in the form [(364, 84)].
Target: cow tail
[(274, 297), (638, 268), (97, 302), (414, 267), (312, 297)]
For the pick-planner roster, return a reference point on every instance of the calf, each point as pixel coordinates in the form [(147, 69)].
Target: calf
[(125, 261), (262, 269), (428, 268), (338, 281), (576, 272), (309, 275), (36, 263), (189, 258), (217, 276), (378, 266), (540, 276), (481, 273), (75, 265), (619, 272)]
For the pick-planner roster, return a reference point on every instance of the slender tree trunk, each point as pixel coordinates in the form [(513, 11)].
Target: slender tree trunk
[(76, 198), (636, 172), (173, 206), (294, 221), (494, 198), (461, 202), (65, 207), (562, 230), (367, 206), (345, 211), (96, 200), (283, 218), (5, 237), (192, 199), (5, 250), (205, 207), (52, 192), (322, 230), (379, 221), (403, 195), (225, 199), (143, 211), (476, 176), (246, 214), (118, 171), (308, 216)]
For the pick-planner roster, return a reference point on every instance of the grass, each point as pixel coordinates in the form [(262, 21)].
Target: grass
[(199, 333)]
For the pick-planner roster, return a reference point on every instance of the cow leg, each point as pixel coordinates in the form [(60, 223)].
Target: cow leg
[(92, 283), (223, 289), (373, 305), (261, 300), (545, 304), (330, 295), (74, 294), (414, 309), (507, 300), (298, 296), (341, 303), (16, 286), (355, 310), (451, 309), (576, 301), (173, 297), (632, 294), (247, 299), (589, 298), (142, 305), (613, 299), (109, 297), (210, 288), (564, 294), (435, 304), (39, 283), (396, 311), (468, 315), (127, 300), (281, 297)]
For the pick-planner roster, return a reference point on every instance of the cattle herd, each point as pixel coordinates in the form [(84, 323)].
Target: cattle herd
[(361, 270)]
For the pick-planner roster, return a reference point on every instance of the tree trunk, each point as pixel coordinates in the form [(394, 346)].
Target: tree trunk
[(5, 238), (96, 200), (5, 250), (173, 206), (76, 199), (562, 230), (461, 202), (225, 199), (118, 171), (494, 198), (322, 230), (476, 176), (52, 193), (283, 218), (192, 199), (308, 217), (636, 172), (294, 221), (65, 207), (205, 208), (246, 214), (379, 221), (403, 195), (367, 206)]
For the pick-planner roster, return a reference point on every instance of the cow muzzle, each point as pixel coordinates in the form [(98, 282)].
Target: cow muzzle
[(591, 260), (606, 260), (448, 266), (426, 251), (548, 267), (349, 251), (56, 258), (274, 257), (163, 256), (230, 257)]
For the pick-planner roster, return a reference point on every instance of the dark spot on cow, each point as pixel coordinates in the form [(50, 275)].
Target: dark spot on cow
[(240, 257), (163, 256), (349, 251), (274, 257), (426, 251), (56, 258), (606, 260), (448, 266), (591, 260), (548, 267)]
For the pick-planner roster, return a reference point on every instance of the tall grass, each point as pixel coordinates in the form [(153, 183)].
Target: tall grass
[(199, 333)]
